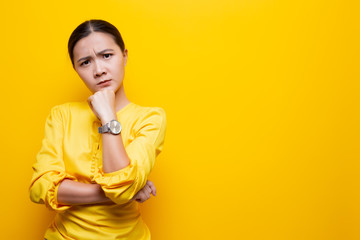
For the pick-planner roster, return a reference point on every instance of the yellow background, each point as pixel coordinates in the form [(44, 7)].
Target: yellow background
[(262, 103)]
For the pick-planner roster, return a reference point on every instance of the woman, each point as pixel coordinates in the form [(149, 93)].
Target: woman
[(97, 154)]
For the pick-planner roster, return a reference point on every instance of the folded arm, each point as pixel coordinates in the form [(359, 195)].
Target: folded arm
[(120, 186), (77, 193), (124, 176)]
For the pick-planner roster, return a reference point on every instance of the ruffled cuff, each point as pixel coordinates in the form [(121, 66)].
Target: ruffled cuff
[(117, 185), (115, 179), (51, 196)]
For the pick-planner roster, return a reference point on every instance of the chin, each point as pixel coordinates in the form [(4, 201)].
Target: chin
[(112, 88)]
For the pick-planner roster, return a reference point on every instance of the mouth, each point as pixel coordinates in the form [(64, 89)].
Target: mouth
[(103, 82)]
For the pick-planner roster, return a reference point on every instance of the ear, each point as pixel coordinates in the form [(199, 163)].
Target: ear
[(125, 54)]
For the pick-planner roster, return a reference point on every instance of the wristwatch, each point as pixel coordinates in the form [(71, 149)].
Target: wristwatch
[(113, 127)]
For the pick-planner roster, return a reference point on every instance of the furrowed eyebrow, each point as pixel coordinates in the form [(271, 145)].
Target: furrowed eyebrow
[(99, 53)]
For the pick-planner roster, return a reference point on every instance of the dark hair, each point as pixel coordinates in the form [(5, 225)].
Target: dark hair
[(93, 25)]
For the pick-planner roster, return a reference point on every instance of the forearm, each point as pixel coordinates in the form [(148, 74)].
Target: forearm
[(114, 153), (77, 193)]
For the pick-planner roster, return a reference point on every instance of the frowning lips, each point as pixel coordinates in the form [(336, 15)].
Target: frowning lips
[(104, 81)]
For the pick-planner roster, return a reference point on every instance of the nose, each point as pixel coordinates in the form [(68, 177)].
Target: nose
[(98, 69)]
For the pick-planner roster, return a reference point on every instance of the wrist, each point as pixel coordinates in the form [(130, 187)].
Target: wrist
[(107, 119)]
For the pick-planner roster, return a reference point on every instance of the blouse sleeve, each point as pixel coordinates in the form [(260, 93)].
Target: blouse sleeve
[(49, 168), (122, 185)]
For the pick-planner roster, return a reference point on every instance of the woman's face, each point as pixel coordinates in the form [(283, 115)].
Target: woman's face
[(98, 58)]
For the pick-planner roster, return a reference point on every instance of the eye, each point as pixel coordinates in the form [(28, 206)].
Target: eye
[(107, 55), (86, 62)]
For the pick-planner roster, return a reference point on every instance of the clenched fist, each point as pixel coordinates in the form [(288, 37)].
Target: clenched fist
[(102, 103)]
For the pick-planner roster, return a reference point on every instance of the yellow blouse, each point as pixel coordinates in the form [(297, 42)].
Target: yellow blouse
[(72, 149)]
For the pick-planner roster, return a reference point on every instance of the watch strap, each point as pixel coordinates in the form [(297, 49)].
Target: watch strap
[(104, 128)]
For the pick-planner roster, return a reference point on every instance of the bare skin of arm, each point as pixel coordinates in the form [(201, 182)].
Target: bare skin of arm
[(76, 193), (115, 157)]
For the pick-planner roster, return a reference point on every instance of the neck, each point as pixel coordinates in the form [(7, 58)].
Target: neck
[(120, 99)]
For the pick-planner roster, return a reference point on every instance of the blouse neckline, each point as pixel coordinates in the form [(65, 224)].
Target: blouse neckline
[(124, 108)]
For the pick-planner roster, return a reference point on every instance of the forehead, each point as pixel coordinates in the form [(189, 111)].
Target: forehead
[(95, 42)]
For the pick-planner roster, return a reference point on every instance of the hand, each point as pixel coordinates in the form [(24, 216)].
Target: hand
[(144, 193), (102, 103)]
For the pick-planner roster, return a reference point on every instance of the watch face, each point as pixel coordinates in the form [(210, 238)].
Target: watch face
[(115, 127)]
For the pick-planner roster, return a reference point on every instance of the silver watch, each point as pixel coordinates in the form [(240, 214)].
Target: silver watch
[(113, 127)]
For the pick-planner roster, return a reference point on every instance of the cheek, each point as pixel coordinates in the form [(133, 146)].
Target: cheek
[(118, 65)]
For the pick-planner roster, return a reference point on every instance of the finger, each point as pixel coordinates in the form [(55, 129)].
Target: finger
[(149, 183), (144, 197), (147, 194), (152, 187), (138, 198), (148, 189)]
